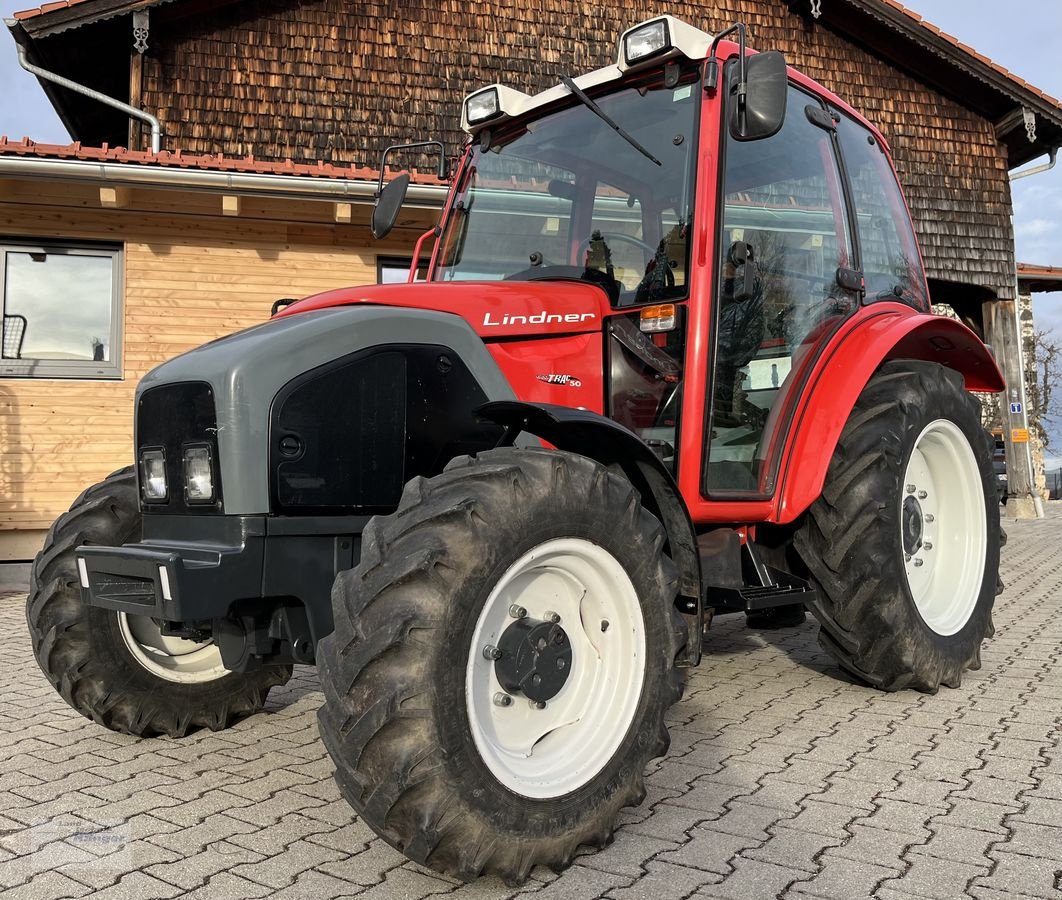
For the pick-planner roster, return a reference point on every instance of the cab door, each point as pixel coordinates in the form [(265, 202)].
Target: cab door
[(783, 285)]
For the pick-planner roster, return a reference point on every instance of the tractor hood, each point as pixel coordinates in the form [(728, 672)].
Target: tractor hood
[(494, 309)]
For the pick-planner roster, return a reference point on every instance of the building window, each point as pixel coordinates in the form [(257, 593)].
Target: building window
[(61, 307), (395, 270)]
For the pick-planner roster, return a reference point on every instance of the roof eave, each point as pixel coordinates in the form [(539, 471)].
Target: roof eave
[(1047, 109)]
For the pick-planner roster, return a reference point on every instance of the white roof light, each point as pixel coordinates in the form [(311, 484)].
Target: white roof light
[(482, 106), (664, 37), (651, 42), (646, 41)]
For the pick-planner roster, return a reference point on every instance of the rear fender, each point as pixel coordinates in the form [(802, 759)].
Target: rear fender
[(592, 435), (841, 376)]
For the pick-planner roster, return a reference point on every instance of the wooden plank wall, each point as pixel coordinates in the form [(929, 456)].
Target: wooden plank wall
[(339, 81), (189, 276)]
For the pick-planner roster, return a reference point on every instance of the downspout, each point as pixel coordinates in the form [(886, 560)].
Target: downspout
[(1038, 508), (44, 74), (1043, 167)]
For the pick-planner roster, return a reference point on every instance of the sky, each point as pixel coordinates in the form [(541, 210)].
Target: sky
[(1025, 37)]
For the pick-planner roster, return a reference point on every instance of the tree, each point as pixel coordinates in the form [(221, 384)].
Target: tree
[(1045, 384)]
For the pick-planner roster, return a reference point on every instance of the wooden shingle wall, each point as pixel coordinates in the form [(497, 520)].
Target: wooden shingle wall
[(327, 79), (190, 275)]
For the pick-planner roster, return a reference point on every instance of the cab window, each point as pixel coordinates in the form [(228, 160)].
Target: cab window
[(891, 265), (783, 236)]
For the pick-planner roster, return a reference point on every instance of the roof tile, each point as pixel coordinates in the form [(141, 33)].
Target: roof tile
[(209, 163)]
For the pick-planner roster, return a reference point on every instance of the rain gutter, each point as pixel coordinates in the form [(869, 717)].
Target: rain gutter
[(290, 187)]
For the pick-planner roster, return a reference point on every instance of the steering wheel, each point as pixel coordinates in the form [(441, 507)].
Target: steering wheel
[(619, 236), (650, 252)]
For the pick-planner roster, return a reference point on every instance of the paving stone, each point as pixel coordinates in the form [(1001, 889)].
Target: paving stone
[(908, 818), (932, 877), (663, 881), (978, 815), (226, 886), (1037, 877), (1033, 839), (628, 853), (879, 847), (964, 845), (752, 878), (792, 849), (193, 871), (319, 886), (847, 881), (47, 886), (708, 850), (280, 868), (580, 883), (827, 819), (670, 822), (993, 790), (137, 886), (367, 867), (126, 858)]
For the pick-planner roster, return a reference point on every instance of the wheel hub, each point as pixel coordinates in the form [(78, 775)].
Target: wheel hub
[(535, 660), (911, 525)]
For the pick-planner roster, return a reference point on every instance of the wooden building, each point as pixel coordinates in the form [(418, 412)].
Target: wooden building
[(112, 262), (268, 81)]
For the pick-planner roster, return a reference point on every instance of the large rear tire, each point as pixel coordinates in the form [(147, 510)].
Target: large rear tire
[(450, 761), (903, 544), (121, 670)]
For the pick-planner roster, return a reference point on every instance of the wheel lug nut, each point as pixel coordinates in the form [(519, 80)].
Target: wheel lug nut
[(552, 617), (517, 612), (911, 489), (538, 704), (604, 625), (927, 545), (502, 699), (491, 652), (561, 664), (907, 557), (922, 495), (928, 517), (918, 562)]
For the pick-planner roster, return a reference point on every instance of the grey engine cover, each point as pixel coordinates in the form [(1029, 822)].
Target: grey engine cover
[(247, 369)]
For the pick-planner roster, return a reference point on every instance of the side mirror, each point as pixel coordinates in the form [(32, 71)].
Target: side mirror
[(760, 111), (388, 203)]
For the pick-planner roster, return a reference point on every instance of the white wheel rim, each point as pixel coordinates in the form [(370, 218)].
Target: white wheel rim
[(550, 752), (945, 566), (170, 658)]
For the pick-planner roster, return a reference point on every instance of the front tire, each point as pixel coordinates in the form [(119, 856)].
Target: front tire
[(121, 670), (903, 544), (457, 769)]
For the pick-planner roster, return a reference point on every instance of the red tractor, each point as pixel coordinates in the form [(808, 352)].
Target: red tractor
[(674, 357)]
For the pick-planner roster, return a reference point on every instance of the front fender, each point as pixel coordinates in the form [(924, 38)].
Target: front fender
[(840, 377), (589, 434)]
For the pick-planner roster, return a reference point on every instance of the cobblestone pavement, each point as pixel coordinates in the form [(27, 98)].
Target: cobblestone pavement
[(784, 779)]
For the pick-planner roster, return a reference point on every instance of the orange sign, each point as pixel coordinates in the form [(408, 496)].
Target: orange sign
[(1019, 435)]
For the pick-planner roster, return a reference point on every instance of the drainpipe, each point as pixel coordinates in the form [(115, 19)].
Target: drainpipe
[(156, 128), (1043, 167), (1037, 505)]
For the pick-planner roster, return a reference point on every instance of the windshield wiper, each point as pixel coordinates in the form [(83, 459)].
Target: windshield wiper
[(604, 117)]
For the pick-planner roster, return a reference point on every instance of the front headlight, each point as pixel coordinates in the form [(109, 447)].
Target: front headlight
[(153, 487), (482, 106), (198, 475), (646, 41)]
